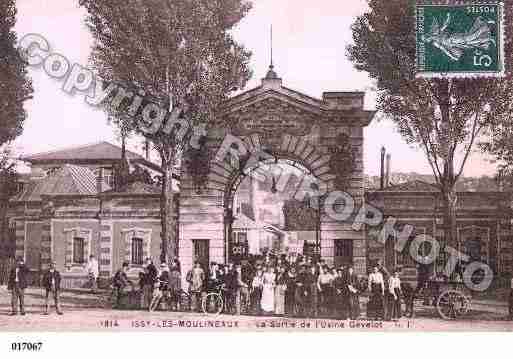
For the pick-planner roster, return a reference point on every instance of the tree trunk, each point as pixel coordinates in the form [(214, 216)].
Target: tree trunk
[(450, 198), (448, 180), (167, 214), (4, 237), (123, 147)]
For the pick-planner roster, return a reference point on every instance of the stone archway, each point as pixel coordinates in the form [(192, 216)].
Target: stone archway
[(272, 201), (324, 135)]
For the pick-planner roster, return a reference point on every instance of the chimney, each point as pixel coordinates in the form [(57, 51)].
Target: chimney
[(382, 169), (387, 173), (99, 180)]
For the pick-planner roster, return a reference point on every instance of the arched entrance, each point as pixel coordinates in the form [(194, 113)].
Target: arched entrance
[(265, 212), (271, 122)]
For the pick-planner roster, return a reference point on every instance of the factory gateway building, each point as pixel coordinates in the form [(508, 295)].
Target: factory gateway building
[(69, 207)]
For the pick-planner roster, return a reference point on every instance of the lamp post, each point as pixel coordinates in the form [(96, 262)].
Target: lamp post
[(382, 174), (228, 220), (318, 232)]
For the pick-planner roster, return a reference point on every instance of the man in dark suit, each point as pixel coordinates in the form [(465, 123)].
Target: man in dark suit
[(121, 282), (423, 275), (214, 277), (17, 284), (52, 285), (152, 270), (310, 285), (386, 275)]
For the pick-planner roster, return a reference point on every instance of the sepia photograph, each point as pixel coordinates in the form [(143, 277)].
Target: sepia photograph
[(264, 166)]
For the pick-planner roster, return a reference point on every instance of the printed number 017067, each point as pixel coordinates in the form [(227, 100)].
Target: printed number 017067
[(26, 346)]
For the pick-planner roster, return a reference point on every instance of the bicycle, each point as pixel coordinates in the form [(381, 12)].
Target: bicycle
[(184, 301), (213, 302)]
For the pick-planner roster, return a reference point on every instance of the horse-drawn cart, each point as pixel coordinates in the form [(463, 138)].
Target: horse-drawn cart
[(452, 299)]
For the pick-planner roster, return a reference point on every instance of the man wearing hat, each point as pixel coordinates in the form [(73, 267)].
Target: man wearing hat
[(52, 285), (214, 277), (120, 282), (17, 284)]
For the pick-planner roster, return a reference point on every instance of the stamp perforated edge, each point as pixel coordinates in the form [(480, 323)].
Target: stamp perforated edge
[(484, 74)]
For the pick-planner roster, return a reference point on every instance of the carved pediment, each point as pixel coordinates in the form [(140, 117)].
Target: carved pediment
[(271, 117)]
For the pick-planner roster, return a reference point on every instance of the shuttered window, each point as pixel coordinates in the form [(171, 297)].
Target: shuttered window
[(137, 251), (78, 250)]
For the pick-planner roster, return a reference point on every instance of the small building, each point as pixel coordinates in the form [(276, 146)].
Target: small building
[(483, 224), (66, 212), (100, 156)]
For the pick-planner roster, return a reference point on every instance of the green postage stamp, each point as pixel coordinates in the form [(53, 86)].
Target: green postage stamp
[(460, 40)]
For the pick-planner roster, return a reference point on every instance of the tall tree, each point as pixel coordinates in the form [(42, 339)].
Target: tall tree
[(444, 117), (15, 89), (181, 54), (498, 142)]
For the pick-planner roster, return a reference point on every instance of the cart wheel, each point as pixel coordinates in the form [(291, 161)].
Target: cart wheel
[(212, 303), (452, 304)]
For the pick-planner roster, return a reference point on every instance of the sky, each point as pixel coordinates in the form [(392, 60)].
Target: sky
[(310, 40)]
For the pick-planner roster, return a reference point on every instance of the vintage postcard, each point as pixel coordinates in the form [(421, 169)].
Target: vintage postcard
[(234, 165)]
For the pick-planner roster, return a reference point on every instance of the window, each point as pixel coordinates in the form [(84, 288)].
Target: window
[(343, 252), (404, 258), (137, 251), (241, 237), (78, 250), (239, 246), (108, 176), (309, 249), (344, 248)]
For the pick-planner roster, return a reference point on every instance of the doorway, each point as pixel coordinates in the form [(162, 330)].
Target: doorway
[(343, 252), (201, 252)]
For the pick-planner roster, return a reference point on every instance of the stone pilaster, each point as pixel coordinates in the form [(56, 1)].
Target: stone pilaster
[(20, 238), (46, 243), (105, 256)]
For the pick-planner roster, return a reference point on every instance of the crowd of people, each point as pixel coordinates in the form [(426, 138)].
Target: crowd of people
[(274, 285), (261, 285)]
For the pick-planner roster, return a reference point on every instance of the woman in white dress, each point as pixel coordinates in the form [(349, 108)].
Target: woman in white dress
[(267, 303)]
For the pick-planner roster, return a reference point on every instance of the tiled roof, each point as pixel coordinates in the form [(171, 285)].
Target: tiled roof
[(67, 180), (137, 188), (96, 151)]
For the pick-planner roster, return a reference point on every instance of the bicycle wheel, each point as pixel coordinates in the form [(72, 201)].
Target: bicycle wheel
[(212, 303)]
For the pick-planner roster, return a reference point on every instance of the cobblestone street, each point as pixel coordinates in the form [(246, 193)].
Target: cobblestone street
[(83, 312)]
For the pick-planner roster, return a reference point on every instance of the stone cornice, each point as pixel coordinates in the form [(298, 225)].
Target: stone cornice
[(323, 110)]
